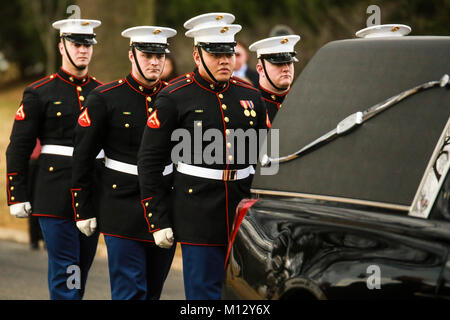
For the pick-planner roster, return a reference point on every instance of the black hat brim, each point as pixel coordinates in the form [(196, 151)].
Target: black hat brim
[(84, 39), (157, 48), (280, 58), (218, 47)]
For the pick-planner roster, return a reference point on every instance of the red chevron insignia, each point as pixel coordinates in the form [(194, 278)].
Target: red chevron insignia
[(83, 119), (20, 114), (153, 121)]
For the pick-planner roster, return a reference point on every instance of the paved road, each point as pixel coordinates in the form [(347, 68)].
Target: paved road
[(23, 276)]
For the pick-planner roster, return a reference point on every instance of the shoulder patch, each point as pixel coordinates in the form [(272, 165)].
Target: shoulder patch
[(153, 121), (243, 84), (20, 114), (42, 81), (182, 82), (83, 119), (110, 85), (241, 81)]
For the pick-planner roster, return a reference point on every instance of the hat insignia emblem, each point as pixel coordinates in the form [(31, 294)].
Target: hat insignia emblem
[(219, 17), (86, 23), (224, 29), (395, 28), (285, 40), (156, 31)]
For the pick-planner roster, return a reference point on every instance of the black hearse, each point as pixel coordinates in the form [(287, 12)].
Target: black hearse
[(359, 207)]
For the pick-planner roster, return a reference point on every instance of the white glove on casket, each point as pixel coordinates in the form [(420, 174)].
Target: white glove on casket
[(87, 226), (164, 238), (20, 210)]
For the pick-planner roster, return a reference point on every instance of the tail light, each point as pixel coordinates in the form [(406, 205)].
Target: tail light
[(241, 211)]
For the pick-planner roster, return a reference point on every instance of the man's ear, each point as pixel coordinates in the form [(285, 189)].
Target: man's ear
[(61, 47), (196, 56), (130, 55), (260, 69)]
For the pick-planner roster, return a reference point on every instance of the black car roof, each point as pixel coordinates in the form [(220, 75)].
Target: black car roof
[(384, 160)]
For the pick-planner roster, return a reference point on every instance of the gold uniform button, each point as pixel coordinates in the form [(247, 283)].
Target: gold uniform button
[(71, 79), (10, 177), (149, 99), (141, 88), (150, 110), (75, 194), (12, 188), (220, 96), (127, 125), (114, 186), (190, 190), (58, 114), (120, 81), (251, 123), (12, 198), (149, 215), (152, 226), (273, 97), (79, 88), (188, 80), (78, 215), (146, 204), (76, 204), (227, 119), (211, 86), (188, 75), (51, 169), (81, 98), (224, 107), (52, 76)]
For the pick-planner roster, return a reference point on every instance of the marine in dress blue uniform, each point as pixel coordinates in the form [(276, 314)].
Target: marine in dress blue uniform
[(114, 120), (276, 57), (49, 111), (205, 193)]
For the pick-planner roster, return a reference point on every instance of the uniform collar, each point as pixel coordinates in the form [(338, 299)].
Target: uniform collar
[(142, 88), (272, 96), (70, 78), (209, 85)]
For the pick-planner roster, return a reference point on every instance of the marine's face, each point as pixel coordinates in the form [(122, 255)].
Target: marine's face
[(151, 64), (281, 75), (81, 54), (221, 65)]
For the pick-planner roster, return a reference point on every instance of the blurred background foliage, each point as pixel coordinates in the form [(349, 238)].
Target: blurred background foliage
[(28, 42)]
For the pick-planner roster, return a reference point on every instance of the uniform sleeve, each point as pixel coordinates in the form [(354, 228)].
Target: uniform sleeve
[(263, 116), (154, 154), (88, 141), (22, 142)]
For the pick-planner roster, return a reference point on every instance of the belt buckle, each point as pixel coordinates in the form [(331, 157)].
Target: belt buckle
[(229, 175)]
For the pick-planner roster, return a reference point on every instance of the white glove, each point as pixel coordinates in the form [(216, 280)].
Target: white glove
[(87, 226), (20, 210), (164, 238)]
